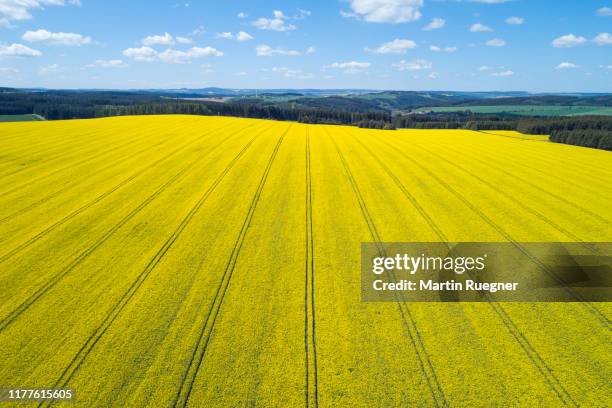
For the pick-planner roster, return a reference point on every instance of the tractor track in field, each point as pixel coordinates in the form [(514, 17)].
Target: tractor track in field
[(90, 204), (588, 168), (425, 364), (51, 144), (69, 185), (537, 170), (538, 188), (72, 165), (310, 338), (6, 321), (185, 388), (93, 339), (499, 191), (533, 355), (588, 305), (86, 147)]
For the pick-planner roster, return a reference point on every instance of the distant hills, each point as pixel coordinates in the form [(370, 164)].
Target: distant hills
[(343, 100)]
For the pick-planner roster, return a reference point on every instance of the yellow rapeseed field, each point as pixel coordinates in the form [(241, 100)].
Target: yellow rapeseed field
[(207, 261)]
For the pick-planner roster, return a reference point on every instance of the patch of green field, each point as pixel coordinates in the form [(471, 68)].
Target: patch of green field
[(526, 110), (21, 118)]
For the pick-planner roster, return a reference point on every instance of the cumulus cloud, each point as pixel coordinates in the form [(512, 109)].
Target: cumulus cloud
[(15, 10), (18, 50), (311, 50), (480, 28), (435, 48), (514, 20), (114, 63), (435, 24), (141, 53), (242, 15), (265, 50), (165, 39), (171, 55), (385, 11), (243, 36), (239, 36), (566, 65), (278, 22), (496, 42), (417, 65), (397, 46), (603, 39), (503, 74), (292, 73), (351, 66), (302, 14), (604, 12), (47, 37), (184, 40), (568, 41)]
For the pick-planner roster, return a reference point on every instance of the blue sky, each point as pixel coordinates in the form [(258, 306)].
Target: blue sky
[(469, 45)]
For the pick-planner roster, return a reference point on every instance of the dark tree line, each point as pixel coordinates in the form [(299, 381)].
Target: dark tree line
[(590, 131), (597, 139)]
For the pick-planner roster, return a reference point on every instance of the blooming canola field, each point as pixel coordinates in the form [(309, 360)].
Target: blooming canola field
[(207, 261)]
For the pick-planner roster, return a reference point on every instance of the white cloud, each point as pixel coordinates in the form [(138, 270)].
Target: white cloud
[(165, 39), (496, 42), (397, 46), (264, 50), (9, 70), (44, 36), (240, 36), (514, 20), (484, 68), (435, 24), (292, 73), (171, 55), (503, 74), (243, 36), (435, 48), (568, 41), (198, 31), (49, 69), (417, 65), (351, 67), (604, 12), (141, 53), (311, 50), (15, 10), (277, 23), (603, 39), (242, 15), (18, 50), (302, 14), (385, 11), (480, 28), (184, 40), (115, 63), (432, 75), (566, 65)]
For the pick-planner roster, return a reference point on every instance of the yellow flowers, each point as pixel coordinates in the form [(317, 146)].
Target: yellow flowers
[(209, 261)]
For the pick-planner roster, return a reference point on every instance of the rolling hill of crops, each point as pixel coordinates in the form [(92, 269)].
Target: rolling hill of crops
[(209, 261)]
